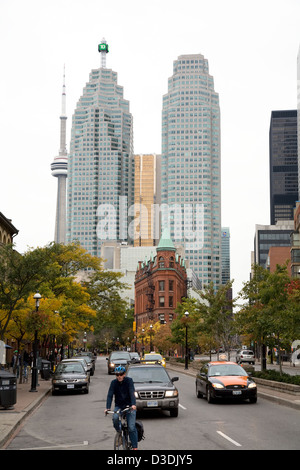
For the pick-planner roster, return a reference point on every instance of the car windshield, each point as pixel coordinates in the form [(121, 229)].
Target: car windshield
[(120, 355), (69, 368), (153, 357), (82, 360), (226, 369), (148, 374), (89, 355), (248, 353)]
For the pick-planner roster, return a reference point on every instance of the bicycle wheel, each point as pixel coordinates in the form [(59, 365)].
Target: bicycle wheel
[(120, 442)]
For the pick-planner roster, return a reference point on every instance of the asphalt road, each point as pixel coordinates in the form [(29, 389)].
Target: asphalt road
[(77, 422)]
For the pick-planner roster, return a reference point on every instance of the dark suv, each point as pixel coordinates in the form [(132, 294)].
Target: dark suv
[(154, 389)]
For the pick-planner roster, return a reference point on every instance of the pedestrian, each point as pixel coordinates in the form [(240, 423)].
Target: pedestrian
[(122, 388), (26, 360), (15, 363)]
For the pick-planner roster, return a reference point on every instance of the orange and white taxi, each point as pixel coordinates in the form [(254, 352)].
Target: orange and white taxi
[(225, 379)]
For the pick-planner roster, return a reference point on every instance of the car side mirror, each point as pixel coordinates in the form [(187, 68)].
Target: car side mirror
[(174, 379), (107, 358)]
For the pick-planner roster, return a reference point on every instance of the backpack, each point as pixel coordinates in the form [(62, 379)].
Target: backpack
[(140, 430)]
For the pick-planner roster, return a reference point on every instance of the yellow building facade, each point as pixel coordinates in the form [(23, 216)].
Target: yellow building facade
[(146, 199)]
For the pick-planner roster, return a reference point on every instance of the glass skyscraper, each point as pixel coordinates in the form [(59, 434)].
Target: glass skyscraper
[(225, 254), (283, 148), (100, 176), (191, 179)]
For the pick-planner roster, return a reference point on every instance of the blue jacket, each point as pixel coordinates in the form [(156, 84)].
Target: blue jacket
[(123, 392)]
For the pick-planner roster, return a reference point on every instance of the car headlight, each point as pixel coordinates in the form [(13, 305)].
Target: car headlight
[(217, 385), (112, 364), (171, 393), (252, 385), (58, 381), (136, 394)]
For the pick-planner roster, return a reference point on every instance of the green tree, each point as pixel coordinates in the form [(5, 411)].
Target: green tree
[(216, 313), (270, 315), (20, 275), (104, 288)]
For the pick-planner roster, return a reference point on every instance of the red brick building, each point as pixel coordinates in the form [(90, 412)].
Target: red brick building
[(279, 255), (160, 283)]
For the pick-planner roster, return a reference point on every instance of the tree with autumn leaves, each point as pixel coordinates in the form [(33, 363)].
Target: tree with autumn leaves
[(76, 292)]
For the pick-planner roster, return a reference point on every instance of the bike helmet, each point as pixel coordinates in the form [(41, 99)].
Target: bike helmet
[(120, 370)]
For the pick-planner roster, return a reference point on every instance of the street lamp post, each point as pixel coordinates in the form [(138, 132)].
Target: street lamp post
[(143, 347), (186, 341), (151, 346), (37, 298)]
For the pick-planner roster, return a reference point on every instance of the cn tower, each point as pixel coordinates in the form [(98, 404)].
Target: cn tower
[(59, 168)]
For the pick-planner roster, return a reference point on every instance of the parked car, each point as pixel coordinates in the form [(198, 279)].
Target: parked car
[(70, 377), (154, 389), (152, 358), (225, 379), (117, 358), (90, 358), (135, 357), (245, 355), (83, 361)]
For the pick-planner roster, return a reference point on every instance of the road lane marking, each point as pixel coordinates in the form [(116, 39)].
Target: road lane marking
[(229, 439), (182, 407), (84, 443)]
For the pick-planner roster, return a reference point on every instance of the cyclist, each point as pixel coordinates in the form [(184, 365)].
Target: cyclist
[(123, 389)]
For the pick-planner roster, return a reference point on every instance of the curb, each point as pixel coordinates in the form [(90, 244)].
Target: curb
[(21, 418), (279, 400)]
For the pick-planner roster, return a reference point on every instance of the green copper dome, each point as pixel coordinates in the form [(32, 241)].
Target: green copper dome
[(165, 242)]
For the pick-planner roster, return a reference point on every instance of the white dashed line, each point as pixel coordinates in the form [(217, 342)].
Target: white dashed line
[(229, 439), (64, 446)]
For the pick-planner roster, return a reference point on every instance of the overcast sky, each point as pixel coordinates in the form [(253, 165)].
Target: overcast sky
[(251, 47)]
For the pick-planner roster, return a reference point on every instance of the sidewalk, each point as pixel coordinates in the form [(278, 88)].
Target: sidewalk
[(27, 401)]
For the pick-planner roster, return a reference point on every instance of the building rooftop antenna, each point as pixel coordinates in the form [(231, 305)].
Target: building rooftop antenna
[(103, 49)]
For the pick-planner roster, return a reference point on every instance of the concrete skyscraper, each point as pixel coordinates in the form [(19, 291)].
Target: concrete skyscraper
[(59, 168), (191, 175), (100, 165)]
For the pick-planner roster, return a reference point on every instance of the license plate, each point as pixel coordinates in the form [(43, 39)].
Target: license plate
[(70, 386), (152, 403), (236, 392), (5, 382)]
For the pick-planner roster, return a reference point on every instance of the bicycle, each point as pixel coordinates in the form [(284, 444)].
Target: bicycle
[(121, 440)]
